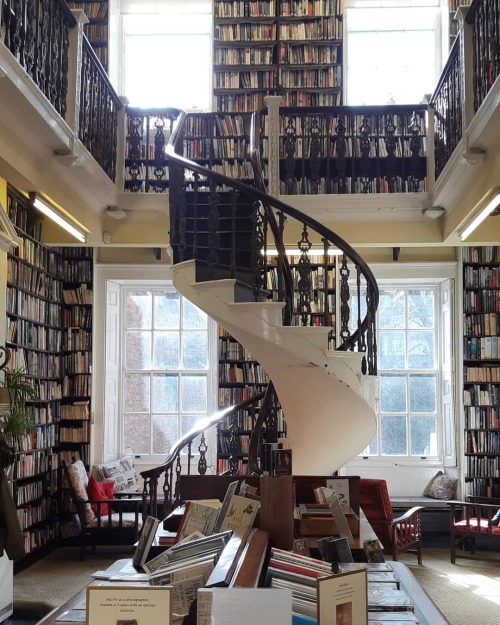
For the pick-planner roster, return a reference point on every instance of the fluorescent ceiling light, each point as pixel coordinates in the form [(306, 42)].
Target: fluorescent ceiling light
[(489, 203), (56, 217)]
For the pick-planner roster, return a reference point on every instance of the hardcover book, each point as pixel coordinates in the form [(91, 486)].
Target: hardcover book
[(198, 517), (384, 599), (145, 541), (240, 515)]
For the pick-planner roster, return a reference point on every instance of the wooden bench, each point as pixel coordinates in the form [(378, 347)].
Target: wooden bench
[(471, 527), (435, 515)]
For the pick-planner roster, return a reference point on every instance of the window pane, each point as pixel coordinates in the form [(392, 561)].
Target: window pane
[(137, 392), (138, 350), (137, 434), (393, 436), (165, 393), (391, 350), (167, 350), (372, 449), (193, 318), (422, 393), (195, 350), (165, 433), (194, 394), (187, 424), (138, 309), (392, 393), (167, 311), (423, 438), (421, 350), (392, 309), (421, 308)]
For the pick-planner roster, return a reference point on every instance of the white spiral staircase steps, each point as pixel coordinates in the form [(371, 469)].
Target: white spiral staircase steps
[(329, 405)]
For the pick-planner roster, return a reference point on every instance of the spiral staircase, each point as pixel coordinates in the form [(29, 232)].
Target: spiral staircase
[(220, 230)]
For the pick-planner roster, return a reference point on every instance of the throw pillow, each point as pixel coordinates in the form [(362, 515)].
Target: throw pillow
[(441, 486), (79, 481), (98, 491)]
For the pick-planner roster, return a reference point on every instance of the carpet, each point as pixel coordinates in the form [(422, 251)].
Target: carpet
[(467, 593)]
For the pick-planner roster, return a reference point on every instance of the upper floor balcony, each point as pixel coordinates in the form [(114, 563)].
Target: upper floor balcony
[(387, 175)]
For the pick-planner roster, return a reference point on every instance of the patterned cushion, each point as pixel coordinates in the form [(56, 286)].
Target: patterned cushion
[(121, 472), (98, 491), (441, 487), (473, 526), (79, 481), (128, 520)]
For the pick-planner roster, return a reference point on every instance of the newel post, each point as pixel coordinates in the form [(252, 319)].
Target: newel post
[(75, 73)]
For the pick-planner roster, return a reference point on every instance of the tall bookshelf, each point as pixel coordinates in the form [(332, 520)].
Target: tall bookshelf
[(33, 335), (240, 377), (74, 429), (481, 376), (97, 29), (288, 47)]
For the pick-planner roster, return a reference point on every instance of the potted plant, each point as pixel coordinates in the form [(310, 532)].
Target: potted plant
[(16, 418)]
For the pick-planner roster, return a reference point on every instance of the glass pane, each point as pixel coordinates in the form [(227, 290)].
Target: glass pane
[(391, 310), (423, 437), (167, 350), (138, 350), (165, 433), (353, 317), (194, 394), (187, 424), (372, 449), (136, 393), (421, 308), (165, 393), (391, 350), (138, 313), (137, 434), (167, 311), (392, 393), (195, 350), (422, 393), (421, 350), (393, 436), (193, 318)]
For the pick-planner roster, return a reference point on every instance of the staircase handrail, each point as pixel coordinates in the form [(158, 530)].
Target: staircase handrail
[(151, 476), (270, 203)]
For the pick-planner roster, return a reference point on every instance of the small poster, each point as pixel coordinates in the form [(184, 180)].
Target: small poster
[(343, 598), (129, 605)]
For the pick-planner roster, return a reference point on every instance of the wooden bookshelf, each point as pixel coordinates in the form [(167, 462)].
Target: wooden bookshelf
[(33, 334), (481, 377), (97, 29)]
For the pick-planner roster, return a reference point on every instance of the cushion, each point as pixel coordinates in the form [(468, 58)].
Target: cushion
[(473, 526), (126, 519), (79, 481), (121, 472), (99, 491), (441, 486)]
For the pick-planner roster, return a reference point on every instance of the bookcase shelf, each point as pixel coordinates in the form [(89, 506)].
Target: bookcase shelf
[(34, 336), (481, 374), (97, 29)]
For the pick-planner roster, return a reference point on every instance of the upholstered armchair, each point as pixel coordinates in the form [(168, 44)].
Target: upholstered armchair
[(399, 535), (475, 519)]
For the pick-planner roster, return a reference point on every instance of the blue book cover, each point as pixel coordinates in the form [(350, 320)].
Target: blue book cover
[(301, 619)]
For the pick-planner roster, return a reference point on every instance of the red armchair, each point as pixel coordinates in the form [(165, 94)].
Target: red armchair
[(399, 535)]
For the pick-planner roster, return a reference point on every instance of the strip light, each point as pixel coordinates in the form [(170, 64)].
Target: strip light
[(492, 200), (56, 217)]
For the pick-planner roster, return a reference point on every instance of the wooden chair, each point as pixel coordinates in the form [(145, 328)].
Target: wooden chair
[(471, 521), (106, 521), (399, 535)]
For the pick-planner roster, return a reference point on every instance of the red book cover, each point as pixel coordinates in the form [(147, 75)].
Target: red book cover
[(295, 568)]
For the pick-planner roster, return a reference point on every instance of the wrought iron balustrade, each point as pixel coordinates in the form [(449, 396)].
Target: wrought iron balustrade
[(484, 18)]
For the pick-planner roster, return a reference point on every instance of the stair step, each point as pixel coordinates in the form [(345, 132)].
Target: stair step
[(269, 313), (314, 336)]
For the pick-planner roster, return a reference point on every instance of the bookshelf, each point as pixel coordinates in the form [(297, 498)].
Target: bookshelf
[(240, 377), (481, 376), (33, 335), (97, 29), (77, 267), (379, 150)]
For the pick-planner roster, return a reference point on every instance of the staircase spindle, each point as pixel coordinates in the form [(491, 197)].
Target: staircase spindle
[(304, 282)]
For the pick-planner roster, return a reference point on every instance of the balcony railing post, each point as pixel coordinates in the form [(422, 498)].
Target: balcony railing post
[(121, 144), (467, 62), (273, 105), (75, 71)]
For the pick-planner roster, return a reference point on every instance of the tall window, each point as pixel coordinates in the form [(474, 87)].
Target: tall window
[(392, 51), (165, 372), (167, 53)]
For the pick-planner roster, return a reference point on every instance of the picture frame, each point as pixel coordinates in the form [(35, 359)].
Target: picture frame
[(343, 598)]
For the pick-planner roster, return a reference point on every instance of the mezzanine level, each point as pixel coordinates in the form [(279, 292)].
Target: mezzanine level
[(64, 133)]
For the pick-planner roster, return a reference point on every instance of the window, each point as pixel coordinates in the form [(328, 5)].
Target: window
[(165, 368), (166, 55), (392, 52)]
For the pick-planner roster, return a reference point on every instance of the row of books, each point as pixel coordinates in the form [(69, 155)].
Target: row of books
[(77, 317), (79, 385), (482, 487), (244, 32), (244, 79), (224, 445), (485, 301), (80, 295), (29, 334), (244, 373), (30, 515), (348, 185), (482, 466), (301, 98), (77, 362), (485, 348), (481, 254), (244, 56), (79, 434), (487, 373), (482, 442), (487, 324), (92, 9), (307, 53), (26, 493), (33, 280), (77, 339), (42, 365), (313, 78), (480, 277), (482, 395), (239, 103), (302, 8), (36, 309), (81, 271), (329, 147), (320, 29), (229, 349), (482, 417), (83, 454), (244, 8), (39, 536), (29, 464), (79, 411)]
